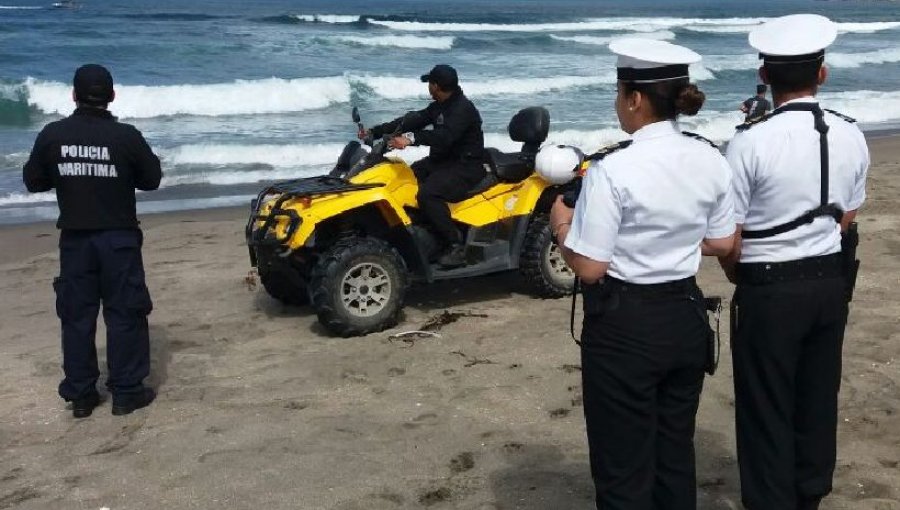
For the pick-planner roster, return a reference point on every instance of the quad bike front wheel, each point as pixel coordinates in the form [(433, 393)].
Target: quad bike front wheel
[(280, 287), (541, 262), (358, 286)]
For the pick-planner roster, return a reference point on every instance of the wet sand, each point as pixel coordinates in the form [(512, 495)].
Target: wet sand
[(260, 408)]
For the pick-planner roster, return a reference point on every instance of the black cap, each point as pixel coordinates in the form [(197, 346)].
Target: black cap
[(761, 89), (443, 76), (93, 85)]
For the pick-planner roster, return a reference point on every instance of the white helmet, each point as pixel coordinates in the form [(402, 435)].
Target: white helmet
[(558, 164)]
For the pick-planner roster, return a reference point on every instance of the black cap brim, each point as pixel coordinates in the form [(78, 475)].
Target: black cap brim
[(425, 78)]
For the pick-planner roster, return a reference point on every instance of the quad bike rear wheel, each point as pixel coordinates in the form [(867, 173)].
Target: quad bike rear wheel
[(541, 262), (358, 286)]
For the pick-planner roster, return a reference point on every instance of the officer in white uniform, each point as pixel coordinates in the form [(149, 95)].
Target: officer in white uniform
[(799, 177), (644, 215)]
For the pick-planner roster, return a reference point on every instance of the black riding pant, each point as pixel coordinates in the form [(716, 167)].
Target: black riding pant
[(102, 266), (643, 357), (441, 183), (787, 373)]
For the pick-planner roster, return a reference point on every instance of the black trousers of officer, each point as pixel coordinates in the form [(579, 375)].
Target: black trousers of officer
[(102, 266), (441, 183), (787, 373), (643, 356)]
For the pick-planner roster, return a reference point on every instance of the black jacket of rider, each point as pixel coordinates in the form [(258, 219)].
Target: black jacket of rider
[(456, 135), (95, 163)]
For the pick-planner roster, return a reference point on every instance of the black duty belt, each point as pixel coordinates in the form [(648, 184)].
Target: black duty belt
[(649, 288), (813, 268)]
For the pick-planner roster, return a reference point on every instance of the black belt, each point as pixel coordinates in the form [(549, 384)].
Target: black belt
[(650, 288), (813, 268)]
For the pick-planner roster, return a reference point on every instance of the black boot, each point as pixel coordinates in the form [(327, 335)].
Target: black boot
[(455, 256), (83, 407), (127, 404)]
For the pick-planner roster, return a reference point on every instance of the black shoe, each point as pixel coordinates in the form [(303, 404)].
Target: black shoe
[(84, 406), (454, 257), (127, 404)]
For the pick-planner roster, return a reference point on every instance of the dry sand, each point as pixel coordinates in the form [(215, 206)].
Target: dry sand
[(259, 408)]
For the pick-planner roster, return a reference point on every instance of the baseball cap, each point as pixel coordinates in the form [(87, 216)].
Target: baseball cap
[(443, 76), (93, 84)]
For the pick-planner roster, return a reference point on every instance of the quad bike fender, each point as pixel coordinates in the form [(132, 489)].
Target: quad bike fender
[(380, 199), (502, 201)]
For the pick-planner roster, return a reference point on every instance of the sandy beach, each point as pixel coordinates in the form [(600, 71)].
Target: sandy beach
[(259, 408)]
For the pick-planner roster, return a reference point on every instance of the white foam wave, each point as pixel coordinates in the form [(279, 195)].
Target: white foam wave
[(27, 198), (327, 18), (836, 60), (603, 41), (19, 7), (884, 56), (866, 106), (400, 88), (875, 26), (631, 24), (267, 154), (399, 41), (241, 97)]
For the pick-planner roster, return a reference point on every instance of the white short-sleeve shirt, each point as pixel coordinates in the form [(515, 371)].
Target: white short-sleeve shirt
[(777, 177), (646, 208)]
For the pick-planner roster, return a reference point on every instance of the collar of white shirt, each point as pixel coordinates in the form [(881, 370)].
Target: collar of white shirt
[(805, 99), (656, 130)]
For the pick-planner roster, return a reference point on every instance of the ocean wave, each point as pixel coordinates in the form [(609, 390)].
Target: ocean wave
[(845, 60), (328, 18), (866, 106), (867, 28), (243, 154), (241, 97), (605, 40), (397, 41), (835, 60), (631, 24), (20, 7), (391, 87), (171, 16), (17, 198)]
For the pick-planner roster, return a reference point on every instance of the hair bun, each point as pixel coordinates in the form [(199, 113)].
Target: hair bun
[(690, 99)]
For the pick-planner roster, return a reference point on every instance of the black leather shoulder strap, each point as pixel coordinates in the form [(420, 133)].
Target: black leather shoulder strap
[(824, 208), (841, 116), (695, 136), (747, 124), (606, 151)]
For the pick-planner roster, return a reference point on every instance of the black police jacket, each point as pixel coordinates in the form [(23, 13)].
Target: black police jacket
[(95, 163), (456, 134)]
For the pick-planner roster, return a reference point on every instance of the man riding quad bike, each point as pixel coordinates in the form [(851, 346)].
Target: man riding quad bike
[(352, 241)]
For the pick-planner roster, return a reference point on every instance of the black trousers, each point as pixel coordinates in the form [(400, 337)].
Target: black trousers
[(643, 359), (441, 183), (102, 266), (787, 373)]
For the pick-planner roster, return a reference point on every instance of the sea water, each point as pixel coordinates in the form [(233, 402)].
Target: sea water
[(232, 95)]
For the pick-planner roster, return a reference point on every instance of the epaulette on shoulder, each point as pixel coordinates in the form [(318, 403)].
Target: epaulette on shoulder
[(841, 116), (747, 124), (695, 136), (606, 151)]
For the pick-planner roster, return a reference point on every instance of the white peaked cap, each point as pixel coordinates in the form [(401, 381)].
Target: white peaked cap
[(648, 60), (797, 35)]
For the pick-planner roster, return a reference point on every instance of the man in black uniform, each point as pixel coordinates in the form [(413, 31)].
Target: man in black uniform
[(758, 105), (455, 162), (799, 179), (95, 163)]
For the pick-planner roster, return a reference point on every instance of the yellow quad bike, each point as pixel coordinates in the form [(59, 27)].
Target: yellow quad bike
[(351, 242)]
